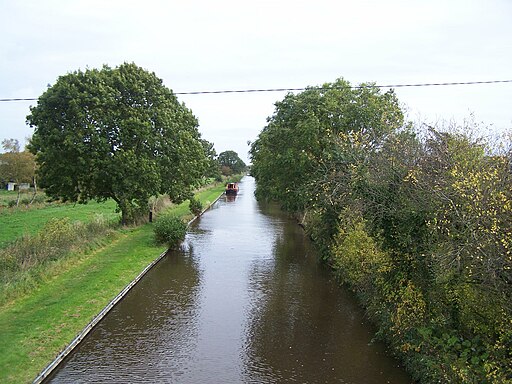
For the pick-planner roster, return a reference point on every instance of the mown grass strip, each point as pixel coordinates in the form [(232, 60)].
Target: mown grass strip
[(35, 328)]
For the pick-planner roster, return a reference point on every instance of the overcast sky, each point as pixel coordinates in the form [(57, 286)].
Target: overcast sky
[(224, 44)]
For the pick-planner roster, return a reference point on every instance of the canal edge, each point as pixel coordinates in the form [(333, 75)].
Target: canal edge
[(90, 326), (205, 209)]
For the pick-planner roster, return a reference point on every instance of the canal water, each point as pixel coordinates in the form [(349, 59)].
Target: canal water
[(244, 301)]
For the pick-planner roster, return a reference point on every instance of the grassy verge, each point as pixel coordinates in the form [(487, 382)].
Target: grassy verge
[(36, 327)]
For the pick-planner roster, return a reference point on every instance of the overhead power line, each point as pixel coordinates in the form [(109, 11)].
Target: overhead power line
[(304, 88), (352, 87)]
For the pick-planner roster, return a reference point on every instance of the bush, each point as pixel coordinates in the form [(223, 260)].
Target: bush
[(356, 256), (170, 230), (195, 206)]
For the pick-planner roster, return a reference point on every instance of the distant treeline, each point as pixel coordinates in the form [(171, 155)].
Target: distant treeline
[(415, 219)]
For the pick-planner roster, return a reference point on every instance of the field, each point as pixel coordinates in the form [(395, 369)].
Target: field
[(18, 221), (7, 196)]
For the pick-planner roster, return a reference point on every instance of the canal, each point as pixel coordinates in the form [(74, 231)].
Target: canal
[(244, 301)]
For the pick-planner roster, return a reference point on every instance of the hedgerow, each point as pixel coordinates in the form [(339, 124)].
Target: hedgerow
[(417, 221)]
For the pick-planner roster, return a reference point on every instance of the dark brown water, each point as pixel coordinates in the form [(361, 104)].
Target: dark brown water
[(245, 301)]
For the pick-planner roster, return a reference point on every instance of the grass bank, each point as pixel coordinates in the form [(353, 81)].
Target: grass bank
[(37, 326)]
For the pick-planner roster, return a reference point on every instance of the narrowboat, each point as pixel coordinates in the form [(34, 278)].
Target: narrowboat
[(231, 188)]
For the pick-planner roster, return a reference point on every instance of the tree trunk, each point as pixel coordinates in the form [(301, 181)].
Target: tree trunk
[(35, 191), (18, 197)]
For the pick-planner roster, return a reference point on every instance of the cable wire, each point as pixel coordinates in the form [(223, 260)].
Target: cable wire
[(304, 88)]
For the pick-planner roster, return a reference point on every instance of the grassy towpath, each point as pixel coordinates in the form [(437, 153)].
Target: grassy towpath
[(35, 328)]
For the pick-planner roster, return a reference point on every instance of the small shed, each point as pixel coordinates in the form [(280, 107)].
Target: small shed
[(11, 186)]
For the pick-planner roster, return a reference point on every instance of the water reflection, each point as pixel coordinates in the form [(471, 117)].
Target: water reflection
[(151, 333), (244, 301), (302, 327)]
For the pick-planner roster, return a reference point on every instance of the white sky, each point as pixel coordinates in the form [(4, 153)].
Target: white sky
[(215, 45)]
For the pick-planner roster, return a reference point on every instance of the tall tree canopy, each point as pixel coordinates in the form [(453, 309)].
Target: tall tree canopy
[(230, 160), (294, 153), (115, 133), (15, 165)]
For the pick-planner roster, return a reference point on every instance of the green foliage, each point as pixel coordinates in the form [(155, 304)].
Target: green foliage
[(213, 169), (230, 163), (115, 133), (18, 167), (195, 206), (355, 255), (170, 230), (417, 222), (298, 151)]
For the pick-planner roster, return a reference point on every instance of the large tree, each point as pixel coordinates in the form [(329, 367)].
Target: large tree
[(230, 161), (115, 133), (311, 133), (15, 165)]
